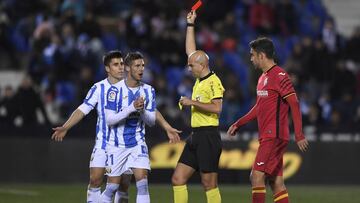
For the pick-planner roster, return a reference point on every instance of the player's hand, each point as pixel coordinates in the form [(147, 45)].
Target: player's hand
[(232, 130), (191, 16), (185, 101), (173, 135), (59, 133), (139, 104), (303, 145)]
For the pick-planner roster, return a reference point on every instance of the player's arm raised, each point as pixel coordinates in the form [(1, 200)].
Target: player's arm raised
[(190, 45), (301, 141), (61, 131), (112, 118), (172, 133)]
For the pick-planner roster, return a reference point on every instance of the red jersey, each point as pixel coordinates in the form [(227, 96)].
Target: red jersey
[(272, 109)]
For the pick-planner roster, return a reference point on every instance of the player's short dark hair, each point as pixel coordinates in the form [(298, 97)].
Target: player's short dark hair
[(132, 56), (264, 45), (110, 55)]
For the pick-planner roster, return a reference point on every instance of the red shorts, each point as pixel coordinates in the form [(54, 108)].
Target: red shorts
[(269, 157)]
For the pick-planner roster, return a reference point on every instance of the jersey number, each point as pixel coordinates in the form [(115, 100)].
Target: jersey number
[(111, 159)]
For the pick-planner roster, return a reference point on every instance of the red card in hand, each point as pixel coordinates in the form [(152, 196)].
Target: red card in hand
[(196, 6)]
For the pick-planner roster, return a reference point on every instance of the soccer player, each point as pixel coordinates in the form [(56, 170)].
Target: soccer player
[(130, 106), (275, 94), (203, 148), (114, 67)]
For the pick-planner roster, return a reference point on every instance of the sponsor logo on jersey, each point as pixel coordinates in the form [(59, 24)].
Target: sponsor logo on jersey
[(282, 73), (262, 93), (112, 96), (260, 163)]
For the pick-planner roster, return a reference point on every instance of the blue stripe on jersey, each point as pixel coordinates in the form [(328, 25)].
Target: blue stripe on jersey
[(116, 136), (153, 105), (142, 129), (131, 123), (108, 135), (103, 117), (119, 106), (130, 131), (146, 98), (92, 90), (120, 100)]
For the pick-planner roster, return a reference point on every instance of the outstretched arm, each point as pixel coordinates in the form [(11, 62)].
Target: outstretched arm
[(301, 141), (172, 133), (61, 131), (251, 115), (190, 45)]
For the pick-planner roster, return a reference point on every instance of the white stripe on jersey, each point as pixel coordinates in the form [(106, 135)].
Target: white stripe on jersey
[(130, 132)]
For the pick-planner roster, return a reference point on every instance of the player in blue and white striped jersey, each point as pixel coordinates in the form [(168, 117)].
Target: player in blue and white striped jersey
[(132, 106), (96, 98)]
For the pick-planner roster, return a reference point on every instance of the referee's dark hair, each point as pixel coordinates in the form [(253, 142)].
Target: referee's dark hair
[(132, 56), (110, 55), (264, 45)]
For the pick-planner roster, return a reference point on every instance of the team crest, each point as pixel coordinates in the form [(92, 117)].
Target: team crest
[(197, 98), (111, 96), (265, 81)]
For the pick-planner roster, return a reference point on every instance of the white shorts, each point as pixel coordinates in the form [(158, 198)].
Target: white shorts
[(98, 158), (121, 160)]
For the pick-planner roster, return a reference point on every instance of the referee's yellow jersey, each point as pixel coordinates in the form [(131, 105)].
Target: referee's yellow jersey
[(205, 90)]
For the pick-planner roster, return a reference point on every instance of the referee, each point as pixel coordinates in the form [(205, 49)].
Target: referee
[(203, 148)]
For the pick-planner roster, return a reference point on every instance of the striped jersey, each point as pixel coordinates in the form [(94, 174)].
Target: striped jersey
[(97, 97), (272, 110), (129, 131)]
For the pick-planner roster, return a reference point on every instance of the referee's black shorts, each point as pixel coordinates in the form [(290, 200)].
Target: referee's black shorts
[(203, 149)]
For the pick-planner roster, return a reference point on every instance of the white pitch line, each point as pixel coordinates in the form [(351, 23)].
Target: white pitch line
[(19, 192)]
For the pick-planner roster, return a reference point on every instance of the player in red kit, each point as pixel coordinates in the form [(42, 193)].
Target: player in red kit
[(275, 95)]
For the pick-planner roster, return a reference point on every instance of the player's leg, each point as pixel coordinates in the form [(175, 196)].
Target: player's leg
[(142, 185), (184, 169), (259, 170), (257, 179), (279, 190), (209, 182), (276, 182), (208, 156), (122, 195), (179, 179), (115, 166), (97, 169), (112, 186), (94, 187)]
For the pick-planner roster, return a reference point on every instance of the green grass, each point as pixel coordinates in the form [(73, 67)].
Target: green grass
[(76, 193)]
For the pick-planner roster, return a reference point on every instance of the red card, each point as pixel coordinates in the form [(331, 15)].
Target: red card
[(196, 6)]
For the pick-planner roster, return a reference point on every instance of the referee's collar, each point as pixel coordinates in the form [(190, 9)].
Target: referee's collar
[(205, 77)]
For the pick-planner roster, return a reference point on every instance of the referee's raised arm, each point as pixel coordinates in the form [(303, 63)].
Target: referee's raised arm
[(190, 45)]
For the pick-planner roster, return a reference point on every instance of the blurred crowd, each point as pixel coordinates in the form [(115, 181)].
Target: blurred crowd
[(59, 44)]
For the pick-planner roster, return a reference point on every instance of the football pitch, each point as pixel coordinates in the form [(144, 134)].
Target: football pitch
[(76, 193)]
